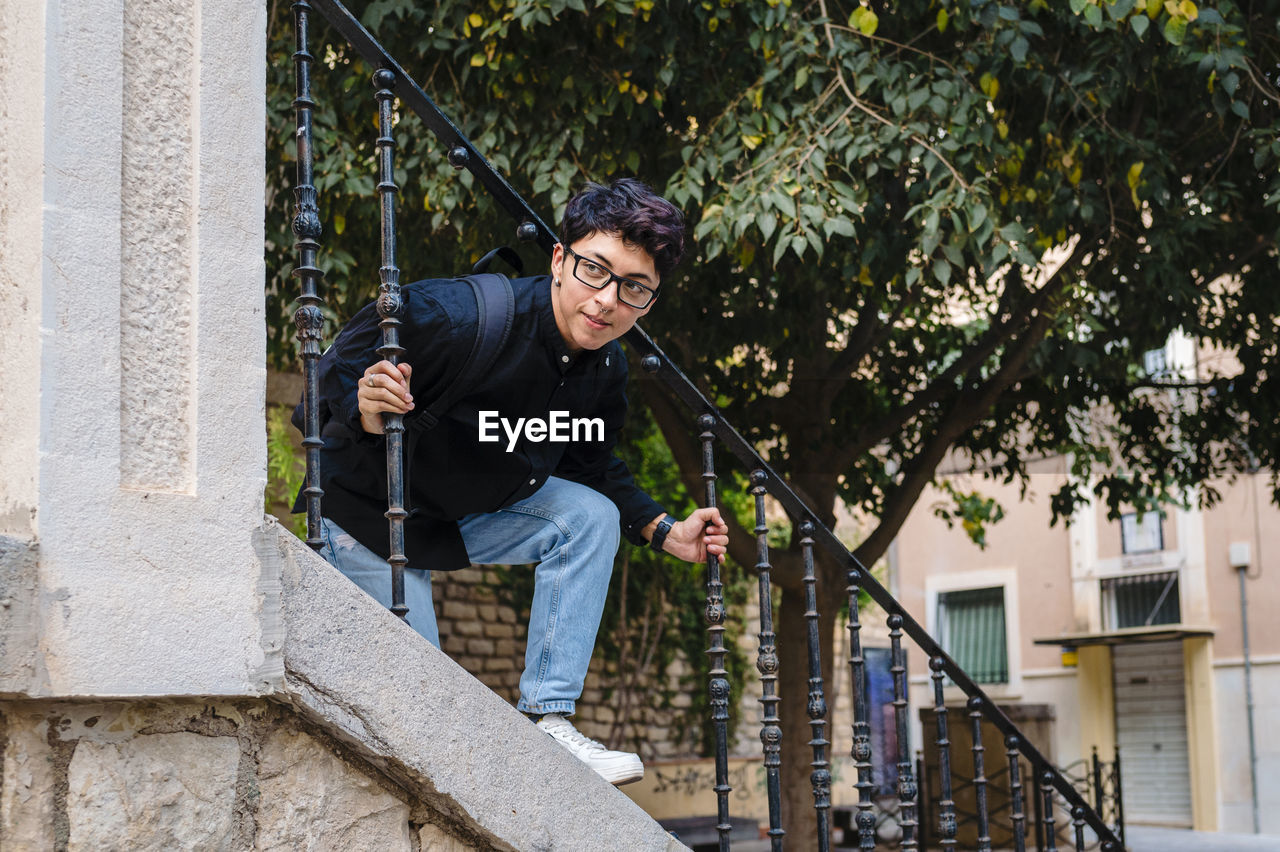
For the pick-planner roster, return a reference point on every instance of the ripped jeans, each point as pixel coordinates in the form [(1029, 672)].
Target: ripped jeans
[(570, 531)]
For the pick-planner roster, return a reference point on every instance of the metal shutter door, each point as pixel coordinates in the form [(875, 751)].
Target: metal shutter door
[(1151, 730)]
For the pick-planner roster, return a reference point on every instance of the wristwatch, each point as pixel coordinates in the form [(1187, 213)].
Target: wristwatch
[(660, 533)]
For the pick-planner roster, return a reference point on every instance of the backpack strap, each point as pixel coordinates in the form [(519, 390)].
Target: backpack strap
[(495, 314), (505, 253)]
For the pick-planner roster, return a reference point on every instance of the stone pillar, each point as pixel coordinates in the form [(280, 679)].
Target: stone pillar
[(132, 374)]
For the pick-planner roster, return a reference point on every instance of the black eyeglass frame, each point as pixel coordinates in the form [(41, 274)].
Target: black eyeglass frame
[(613, 278)]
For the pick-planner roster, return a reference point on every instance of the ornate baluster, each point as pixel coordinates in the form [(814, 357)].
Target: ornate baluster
[(1097, 784), (906, 784), (719, 685), (946, 804), (1050, 832), (308, 318), (1016, 816), (1077, 814), (390, 307), (817, 707), (979, 774), (866, 818), (767, 664), (1118, 789), (922, 803)]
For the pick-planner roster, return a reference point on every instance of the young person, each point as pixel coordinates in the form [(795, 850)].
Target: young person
[(520, 468)]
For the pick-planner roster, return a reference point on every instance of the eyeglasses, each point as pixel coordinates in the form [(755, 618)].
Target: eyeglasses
[(597, 277)]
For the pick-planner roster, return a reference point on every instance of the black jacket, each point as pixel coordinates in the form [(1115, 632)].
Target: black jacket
[(451, 474)]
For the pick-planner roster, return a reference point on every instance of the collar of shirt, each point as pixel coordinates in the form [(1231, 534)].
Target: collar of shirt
[(550, 332)]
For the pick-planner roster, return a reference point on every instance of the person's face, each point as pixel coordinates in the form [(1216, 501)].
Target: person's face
[(589, 318)]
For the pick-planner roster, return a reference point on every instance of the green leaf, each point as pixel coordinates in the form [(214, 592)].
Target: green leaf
[(1093, 15), (1241, 109), (1077, 6), (977, 215), (838, 225), (767, 223), (1139, 23), (1120, 9), (1175, 30), (941, 271), (864, 20), (942, 20)]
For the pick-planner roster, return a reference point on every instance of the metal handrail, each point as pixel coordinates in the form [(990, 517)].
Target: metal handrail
[(462, 154)]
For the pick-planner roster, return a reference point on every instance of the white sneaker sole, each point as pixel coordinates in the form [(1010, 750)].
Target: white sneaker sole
[(620, 775)]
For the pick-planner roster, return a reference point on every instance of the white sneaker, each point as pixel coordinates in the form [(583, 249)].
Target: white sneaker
[(616, 767)]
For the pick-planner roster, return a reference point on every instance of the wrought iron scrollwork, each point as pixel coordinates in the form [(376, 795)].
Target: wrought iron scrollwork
[(767, 665), (1050, 833), (816, 706), (389, 306), (719, 681), (865, 819), (946, 805), (979, 774), (907, 789), (309, 318), (1016, 817)]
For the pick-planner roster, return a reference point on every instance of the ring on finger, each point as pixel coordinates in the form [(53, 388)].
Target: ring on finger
[(371, 382)]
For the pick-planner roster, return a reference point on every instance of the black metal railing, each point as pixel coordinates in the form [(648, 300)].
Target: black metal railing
[(946, 792), (1051, 786)]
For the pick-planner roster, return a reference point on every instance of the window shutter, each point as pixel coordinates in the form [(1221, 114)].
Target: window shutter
[(971, 628)]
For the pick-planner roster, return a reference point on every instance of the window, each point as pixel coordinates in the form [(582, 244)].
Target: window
[(971, 629), (1155, 363), (1141, 533), (1141, 600)]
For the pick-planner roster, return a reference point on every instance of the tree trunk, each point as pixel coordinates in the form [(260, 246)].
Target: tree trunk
[(798, 814)]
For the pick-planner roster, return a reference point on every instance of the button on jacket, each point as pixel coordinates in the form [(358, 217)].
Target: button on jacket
[(449, 472)]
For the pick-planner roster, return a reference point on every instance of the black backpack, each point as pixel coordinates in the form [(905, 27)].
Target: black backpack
[(495, 312)]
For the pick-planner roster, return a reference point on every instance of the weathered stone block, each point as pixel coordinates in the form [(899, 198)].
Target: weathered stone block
[(26, 790), (468, 628), (508, 648), (466, 576), (154, 792), (487, 612), (499, 664), (458, 611), (495, 630), (480, 647), (432, 839), (343, 808)]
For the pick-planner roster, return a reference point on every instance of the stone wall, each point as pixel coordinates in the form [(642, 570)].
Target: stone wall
[(487, 638), (163, 775)]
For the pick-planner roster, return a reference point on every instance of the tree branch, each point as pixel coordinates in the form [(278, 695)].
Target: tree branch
[(964, 413), (944, 384), (859, 104)]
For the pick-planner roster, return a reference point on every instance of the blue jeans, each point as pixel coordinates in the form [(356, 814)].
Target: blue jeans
[(570, 531)]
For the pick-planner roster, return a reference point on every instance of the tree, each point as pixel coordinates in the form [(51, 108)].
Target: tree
[(924, 229)]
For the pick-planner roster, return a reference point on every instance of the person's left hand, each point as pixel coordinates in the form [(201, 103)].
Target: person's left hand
[(701, 534)]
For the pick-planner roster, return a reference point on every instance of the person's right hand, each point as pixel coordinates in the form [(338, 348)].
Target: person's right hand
[(383, 388)]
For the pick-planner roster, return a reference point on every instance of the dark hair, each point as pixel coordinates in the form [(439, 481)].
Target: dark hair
[(635, 213)]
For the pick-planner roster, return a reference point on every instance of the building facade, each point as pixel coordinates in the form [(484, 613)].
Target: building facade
[(1125, 633)]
